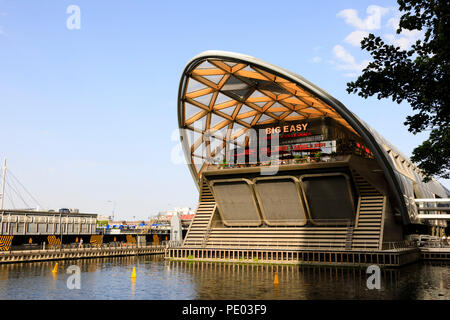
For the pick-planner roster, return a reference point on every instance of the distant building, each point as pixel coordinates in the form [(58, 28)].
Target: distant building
[(185, 213), (103, 218)]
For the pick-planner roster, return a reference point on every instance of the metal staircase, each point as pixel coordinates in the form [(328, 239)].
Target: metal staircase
[(371, 207), (197, 234), (349, 238)]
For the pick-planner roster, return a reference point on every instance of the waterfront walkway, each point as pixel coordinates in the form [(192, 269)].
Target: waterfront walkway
[(436, 253), (56, 253)]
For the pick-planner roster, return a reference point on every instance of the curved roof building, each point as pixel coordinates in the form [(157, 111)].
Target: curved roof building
[(267, 148)]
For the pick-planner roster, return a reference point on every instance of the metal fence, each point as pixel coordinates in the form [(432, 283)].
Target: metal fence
[(289, 223), (294, 245), (74, 246)]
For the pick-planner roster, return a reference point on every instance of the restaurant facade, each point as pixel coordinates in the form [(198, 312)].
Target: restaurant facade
[(278, 161)]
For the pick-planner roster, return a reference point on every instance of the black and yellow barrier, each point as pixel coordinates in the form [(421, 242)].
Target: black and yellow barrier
[(53, 240), (5, 242), (96, 240), (131, 239)]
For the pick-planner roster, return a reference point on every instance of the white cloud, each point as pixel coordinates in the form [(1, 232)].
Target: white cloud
[(393, 22), (372, 21), (345, 61), (343, 55), (316, 59), (355, 37), (403, 40)]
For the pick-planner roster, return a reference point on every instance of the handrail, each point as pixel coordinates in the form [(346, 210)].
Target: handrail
[(321, 223), (306, 244), (84, 247), (433, 200), (281, 162)]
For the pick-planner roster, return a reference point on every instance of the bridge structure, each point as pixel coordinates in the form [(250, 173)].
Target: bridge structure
[(40, 230), (285, 171), (68, 252), (441, 210)]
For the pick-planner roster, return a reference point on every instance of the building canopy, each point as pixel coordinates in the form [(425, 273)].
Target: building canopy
[(223, 95), (225, 98)]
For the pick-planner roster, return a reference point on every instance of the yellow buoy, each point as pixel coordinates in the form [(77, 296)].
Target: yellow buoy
[(133, 275), (55, 269), (275, 279)]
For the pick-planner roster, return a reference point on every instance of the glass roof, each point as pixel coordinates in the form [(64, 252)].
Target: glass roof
[(228, 98), (225, 94)]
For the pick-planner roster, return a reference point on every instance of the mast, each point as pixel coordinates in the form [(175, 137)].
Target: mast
[(3, 184)]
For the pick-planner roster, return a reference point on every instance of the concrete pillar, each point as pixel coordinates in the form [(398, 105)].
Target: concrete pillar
[(140, 240)]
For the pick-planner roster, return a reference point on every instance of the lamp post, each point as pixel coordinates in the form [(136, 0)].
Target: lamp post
[(114, 207), (60, 230)]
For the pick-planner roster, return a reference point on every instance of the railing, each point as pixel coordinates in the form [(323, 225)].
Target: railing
[(435, 244), (306, 244), (397, 245), (246, 224), (285, 245), (433, 208), (88, 246), (264, 244), (279, 162)]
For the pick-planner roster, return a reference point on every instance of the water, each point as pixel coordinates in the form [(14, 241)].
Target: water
[(110, 278)]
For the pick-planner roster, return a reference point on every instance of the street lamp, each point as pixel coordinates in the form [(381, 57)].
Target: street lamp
[(114, 207)]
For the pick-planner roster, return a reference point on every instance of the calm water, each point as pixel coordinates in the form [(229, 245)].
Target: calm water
[(109, 278)]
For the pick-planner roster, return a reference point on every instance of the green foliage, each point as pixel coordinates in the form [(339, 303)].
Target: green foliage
[(419, 76), (190, 257), (318, 154), (224, 163), (102, 223)]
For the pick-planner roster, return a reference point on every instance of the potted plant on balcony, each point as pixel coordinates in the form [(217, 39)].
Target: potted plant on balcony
[(297, 158), (305, 158), (317, 156), (223, 164)]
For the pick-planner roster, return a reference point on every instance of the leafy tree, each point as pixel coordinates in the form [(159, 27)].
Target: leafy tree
[(419, 76), (101, 223)]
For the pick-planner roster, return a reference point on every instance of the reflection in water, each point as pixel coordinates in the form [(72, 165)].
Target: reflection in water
[(234, 281), (109, 278), (133, 286)]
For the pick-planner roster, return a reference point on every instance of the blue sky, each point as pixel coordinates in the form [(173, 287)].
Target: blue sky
[(87, 115)]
